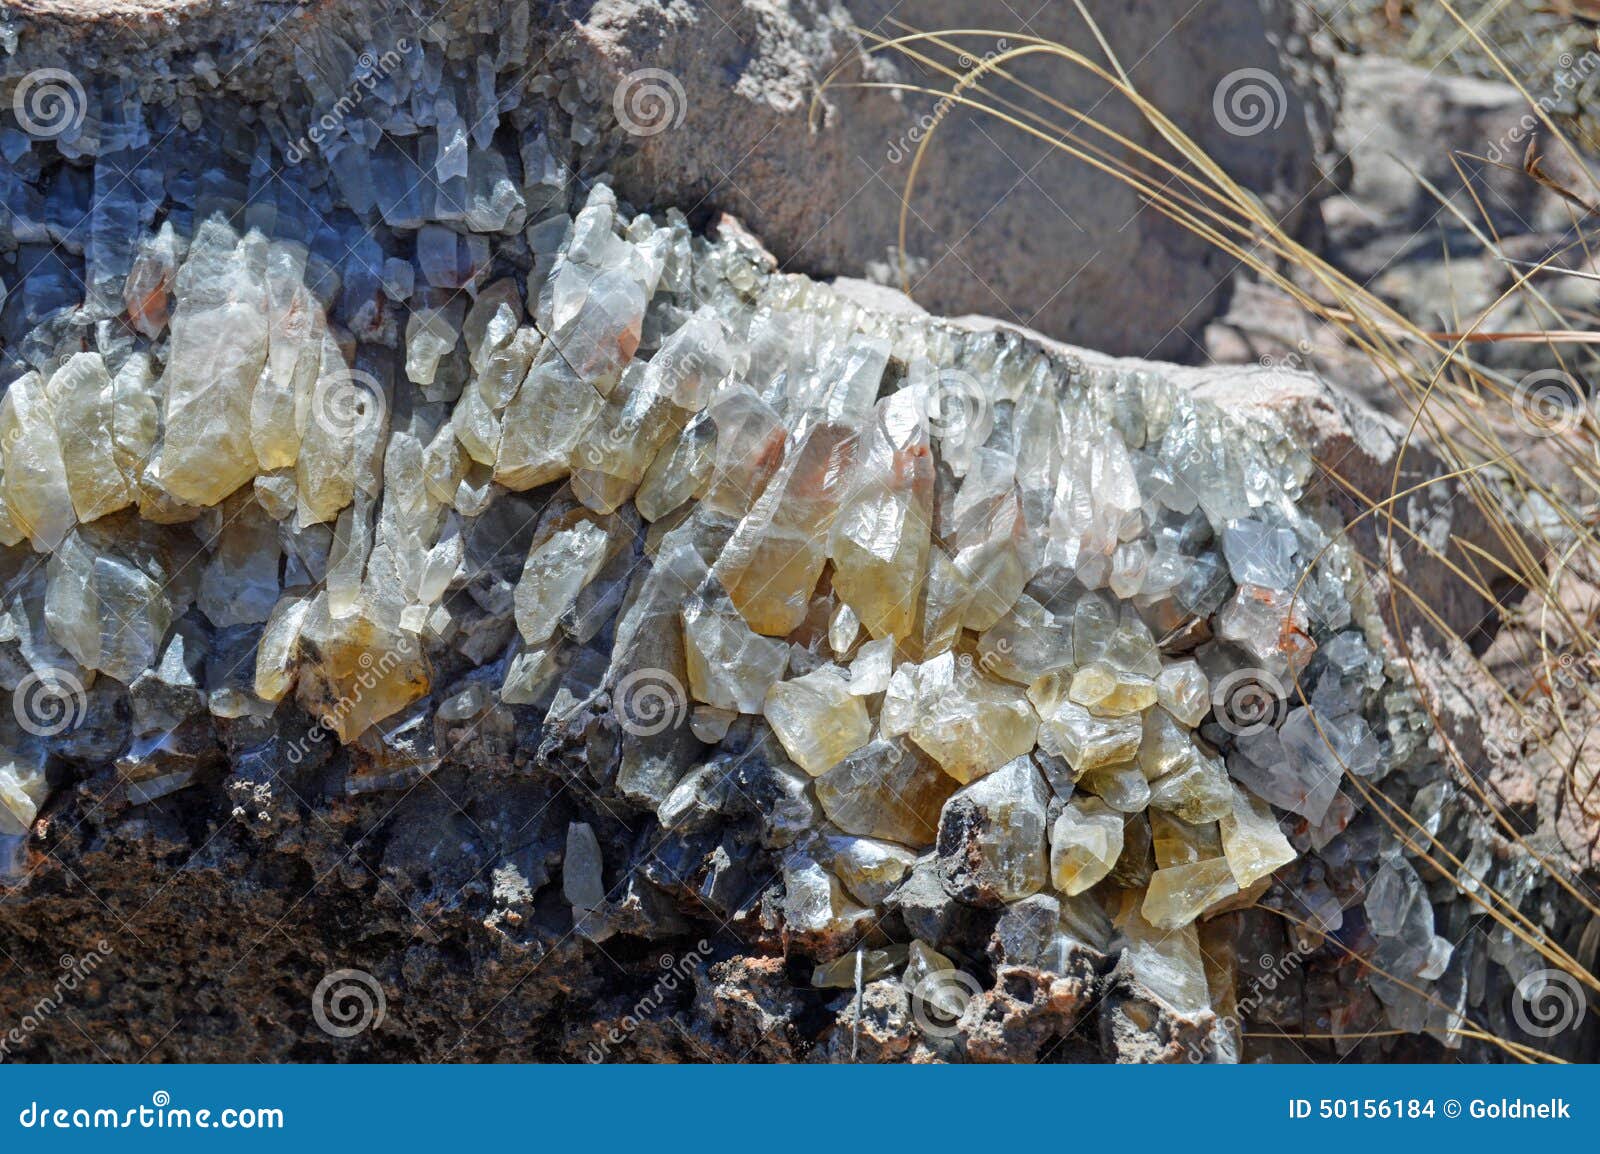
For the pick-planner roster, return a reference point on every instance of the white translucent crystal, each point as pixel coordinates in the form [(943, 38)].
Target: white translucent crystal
[(870, 869), (844, 628), (814, 901), (1168, 963), (217, 351), (1182, 690), (872, 667), (22, 790), (730, 665), (554, 574)]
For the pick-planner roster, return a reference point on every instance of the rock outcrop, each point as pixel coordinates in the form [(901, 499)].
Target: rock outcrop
[(452, 612)]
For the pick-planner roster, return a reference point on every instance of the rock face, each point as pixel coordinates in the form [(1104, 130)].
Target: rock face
[(990, 202), (484, 610), (714, 104)]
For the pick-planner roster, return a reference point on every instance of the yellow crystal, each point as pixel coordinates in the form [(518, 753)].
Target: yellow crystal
[(1179, 894), (1252, 840), (36, 491), (84, 416), (1067, 729), (880, 534), (967, 722), (1084, 844), (1176, 842), (817, 719), (1107, 692), (355, 670), (771, 564)]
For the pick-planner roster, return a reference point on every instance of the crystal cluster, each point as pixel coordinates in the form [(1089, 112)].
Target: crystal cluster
[(953, 615)]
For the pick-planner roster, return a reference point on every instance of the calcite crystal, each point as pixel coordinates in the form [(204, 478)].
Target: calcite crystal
[(969, 723), (818, 719), (1181, 893), (1085, 843), (887, 789), (843, 613), (992, 836)]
